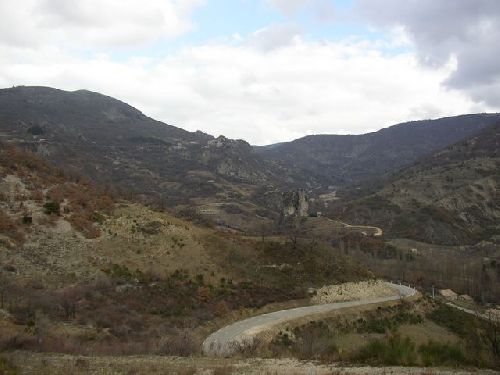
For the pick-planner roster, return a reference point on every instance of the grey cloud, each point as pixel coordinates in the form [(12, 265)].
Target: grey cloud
[(288, 6), (321, 10), (274, 37), (324, 11), (466, 30)]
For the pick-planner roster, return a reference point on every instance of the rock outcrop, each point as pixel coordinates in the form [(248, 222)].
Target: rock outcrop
[(295, 203)]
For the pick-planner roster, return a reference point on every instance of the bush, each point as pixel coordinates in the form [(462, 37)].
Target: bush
[(396, 351), (85, 226), (313, 341), (27, 220), (52, 208), (456, 321), (9, 228), (6, 368), (441, 354), (382, 325), (181, 343)]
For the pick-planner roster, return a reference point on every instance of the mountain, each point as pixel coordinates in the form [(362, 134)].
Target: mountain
[(215, 180), (343, 160), (116, 144), (451, 197)]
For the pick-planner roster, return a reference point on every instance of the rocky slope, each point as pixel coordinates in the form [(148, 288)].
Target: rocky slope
[(450, 197), (344, 160), (116, 144), (218, 180)]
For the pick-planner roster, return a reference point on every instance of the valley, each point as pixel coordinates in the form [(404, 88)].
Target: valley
[(126, 242)]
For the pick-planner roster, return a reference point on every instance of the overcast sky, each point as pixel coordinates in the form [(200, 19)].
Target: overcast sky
[(263, 70)]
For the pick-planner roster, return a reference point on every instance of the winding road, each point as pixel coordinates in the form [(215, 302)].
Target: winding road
[(235, 337)]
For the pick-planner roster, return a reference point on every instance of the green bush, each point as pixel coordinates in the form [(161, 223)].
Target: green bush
[(382, 325), (52, 208), (456, 321), (441, 354), (395, 351), (27, 220)]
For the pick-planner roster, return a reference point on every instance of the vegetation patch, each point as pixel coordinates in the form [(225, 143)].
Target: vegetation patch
[(442, 354), (394, 351)]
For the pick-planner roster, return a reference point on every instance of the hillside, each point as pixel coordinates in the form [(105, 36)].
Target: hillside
[(450, 197), (343, 160), (115, 144), (83, 272)]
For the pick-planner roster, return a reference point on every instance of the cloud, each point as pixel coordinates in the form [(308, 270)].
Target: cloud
[(93, 22), (274, 36), (289, 6), (462, 31), (322, 10), (267, 86), (242, 91)]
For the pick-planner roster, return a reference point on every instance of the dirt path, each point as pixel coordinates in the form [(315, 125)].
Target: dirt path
[(237, 336)]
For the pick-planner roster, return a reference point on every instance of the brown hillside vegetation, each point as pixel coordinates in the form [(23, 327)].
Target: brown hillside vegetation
[(448, 198), (33, 190), (93, 276)]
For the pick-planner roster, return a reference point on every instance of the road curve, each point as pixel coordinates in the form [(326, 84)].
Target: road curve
[(235, 337)]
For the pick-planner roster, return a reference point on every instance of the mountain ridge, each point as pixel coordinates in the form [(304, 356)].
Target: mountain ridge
[(117, 145), (449, 197), (349, 159)]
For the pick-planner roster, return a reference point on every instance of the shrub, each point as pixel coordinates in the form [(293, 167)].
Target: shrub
[(441, 354), (85, 226), (52, 208), (181, 343), (27, 220), (396, 351), (9, 228), (313, 341), (456, 321), (6, 368), (382, 325)]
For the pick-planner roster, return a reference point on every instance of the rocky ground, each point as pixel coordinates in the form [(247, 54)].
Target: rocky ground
[(352, 292)]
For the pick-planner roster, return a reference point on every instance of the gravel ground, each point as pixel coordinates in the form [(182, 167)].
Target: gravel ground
[(353, 292)]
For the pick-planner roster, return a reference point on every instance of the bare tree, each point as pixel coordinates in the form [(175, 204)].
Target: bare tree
[(294, 229), (492, 334)]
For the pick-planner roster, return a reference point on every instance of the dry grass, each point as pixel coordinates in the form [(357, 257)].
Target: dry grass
[(150, 365)]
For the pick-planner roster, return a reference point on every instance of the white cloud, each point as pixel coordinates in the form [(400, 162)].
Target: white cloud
[(262, 96), (93, 22), (269, 86), (274, 36)]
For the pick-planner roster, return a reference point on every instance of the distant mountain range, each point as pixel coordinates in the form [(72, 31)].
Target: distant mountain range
[(349, 159), (116, 145), (450, 197)]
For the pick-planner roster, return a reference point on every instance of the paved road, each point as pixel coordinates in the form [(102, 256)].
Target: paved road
[(237, 336)]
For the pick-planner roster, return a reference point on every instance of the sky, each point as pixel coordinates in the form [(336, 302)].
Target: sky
[(265, 71)]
